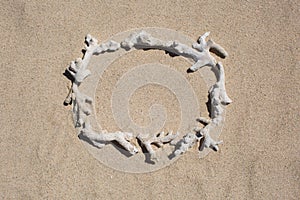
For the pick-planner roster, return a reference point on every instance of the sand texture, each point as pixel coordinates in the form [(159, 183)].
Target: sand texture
[(41, 155)]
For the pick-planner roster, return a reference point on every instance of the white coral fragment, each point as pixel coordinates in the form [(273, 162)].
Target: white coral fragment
[(93, 48), (81, 106), (100, 139), (210, 143), (218, 98), (188, 141), (82, 103), (78, 70), (91, 42), (107, 47), (198, 52), (202, 44), (218, 95), (210, 45), (158, 140), (221, 84)]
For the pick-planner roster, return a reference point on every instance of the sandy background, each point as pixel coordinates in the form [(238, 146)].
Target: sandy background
[(41, 156)]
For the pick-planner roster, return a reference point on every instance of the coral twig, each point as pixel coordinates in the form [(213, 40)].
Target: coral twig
[(199, 53), (188, 141), (100, 139), (158, 140), (81, 106), (218, 98), (208, 141)]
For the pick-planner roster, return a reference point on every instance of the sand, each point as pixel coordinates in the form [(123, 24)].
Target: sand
[(41, 155)]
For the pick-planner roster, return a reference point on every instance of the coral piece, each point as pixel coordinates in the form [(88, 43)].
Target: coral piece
[(199, 53), (109, 46), (218, 98), (218, 95), (81, 106), (158, 140), (210, 45), (208, 142), (221, 83), (188, 141), (91, 43), (78, 71), (100, 139), (93, 47)]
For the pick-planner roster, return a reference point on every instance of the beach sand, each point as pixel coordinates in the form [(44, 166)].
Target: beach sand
[(41, 155)]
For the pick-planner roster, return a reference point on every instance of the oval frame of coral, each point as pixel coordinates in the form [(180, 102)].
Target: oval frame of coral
[(85, 74)]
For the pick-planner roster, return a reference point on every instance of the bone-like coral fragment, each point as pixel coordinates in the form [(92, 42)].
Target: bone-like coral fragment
[(218, 95), (100, 139), (81, 106), (107, 47), (221, 83), (78, 71), (218, 98), (199, 52), (158, 140), (210, 45), (188, 141), (208, 142)]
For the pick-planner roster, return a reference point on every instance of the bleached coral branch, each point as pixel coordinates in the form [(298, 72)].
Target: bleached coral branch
[(100, 139), (158, 140), (210, 45), (188, 141), (81, 105), (206, 47), (91, 43), (109, 46), (218, 98), (199, 52), (78, 71), (78, 68), (221, 83), (218, 95), (208, 141), (202, 44)]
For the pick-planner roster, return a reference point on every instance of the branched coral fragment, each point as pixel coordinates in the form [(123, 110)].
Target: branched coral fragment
[(199, 52), (158, 140), (81, 106), (218, 98), (208, 142), (188, 141), (100, 139)]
